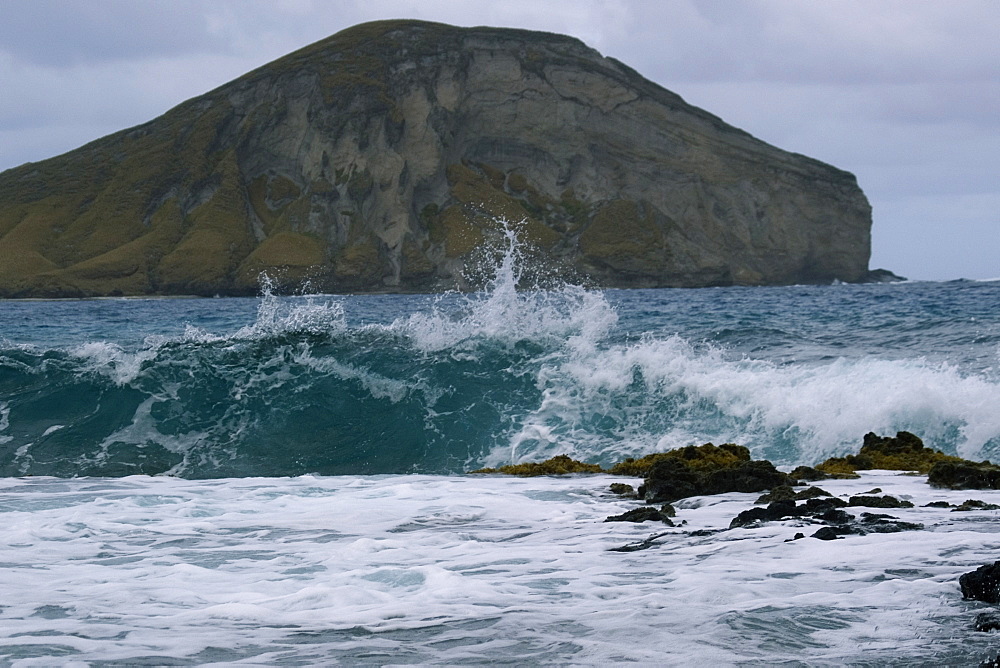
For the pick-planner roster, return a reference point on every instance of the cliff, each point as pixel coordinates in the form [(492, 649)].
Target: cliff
[(379, 158)]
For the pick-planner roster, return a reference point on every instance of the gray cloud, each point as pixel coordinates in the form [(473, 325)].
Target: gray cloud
[(61, 33), (904, 93)]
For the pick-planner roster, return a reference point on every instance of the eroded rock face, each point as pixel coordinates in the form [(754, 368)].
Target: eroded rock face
[(379, 158)]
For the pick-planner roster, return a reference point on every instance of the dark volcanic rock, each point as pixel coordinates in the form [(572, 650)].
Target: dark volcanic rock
[(826, 533), (670, 480), (965, 475), (974, 504), (621, 489), (753, 476), (877, 523), (779, 493), (834, 516), (808, 473), (673, 479), (982, 584), (645, 514), (987, 621), (882, 276), (778, 510), (826, 510), (380, 158), (878, 502), (786, 492)]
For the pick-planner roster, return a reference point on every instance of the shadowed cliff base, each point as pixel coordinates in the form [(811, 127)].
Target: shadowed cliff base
[(380, 159)]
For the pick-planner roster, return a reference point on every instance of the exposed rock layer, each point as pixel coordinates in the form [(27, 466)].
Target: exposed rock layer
[(379, 159)]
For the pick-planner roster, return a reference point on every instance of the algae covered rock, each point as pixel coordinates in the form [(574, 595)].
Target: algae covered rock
[(621, 489), (558, 465), (698, 457), (963, 474), (809, 474), (708, 469), (903, 452)]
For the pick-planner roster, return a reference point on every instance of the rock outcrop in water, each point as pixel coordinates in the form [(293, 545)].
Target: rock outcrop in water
[(380, 158)]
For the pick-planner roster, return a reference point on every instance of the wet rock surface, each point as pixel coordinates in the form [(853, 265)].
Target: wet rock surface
[(674, 479), (903, 452), (965, 475), (878, 502), (645, 514), (982, 584), (987, 621), (826, 511)]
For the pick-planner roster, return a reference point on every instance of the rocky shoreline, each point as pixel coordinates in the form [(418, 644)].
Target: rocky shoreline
[(709, 470)]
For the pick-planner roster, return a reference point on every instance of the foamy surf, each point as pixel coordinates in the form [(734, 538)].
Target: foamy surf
[(515, 372), (469, 570)]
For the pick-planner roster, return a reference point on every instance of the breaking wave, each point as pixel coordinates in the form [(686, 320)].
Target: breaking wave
[(505, 374)]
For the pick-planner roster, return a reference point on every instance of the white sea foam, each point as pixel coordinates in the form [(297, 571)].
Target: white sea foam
[(504, 313), (113, 361), (421, 569), (665, 393), (312, 315), (5, 422)]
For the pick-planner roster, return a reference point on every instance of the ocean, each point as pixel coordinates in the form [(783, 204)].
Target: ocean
[(283, 480)]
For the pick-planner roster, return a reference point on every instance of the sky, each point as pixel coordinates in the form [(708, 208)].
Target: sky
[(905, 94)]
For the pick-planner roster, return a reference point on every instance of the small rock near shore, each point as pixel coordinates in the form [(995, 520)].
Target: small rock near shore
[(982, 584)]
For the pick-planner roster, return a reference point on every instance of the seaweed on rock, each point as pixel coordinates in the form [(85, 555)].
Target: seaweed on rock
[(903, 452), (962, 474), (558, 465)]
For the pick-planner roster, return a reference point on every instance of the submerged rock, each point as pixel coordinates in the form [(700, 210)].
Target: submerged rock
[(987, 621), (974, 504), (878, 523), (641, 545), (825, 509), (621, 489)]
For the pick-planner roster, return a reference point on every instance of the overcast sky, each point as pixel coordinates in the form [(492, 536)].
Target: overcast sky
[(903, 93)]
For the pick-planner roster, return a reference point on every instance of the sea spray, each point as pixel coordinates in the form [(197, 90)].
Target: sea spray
[(515, 372)]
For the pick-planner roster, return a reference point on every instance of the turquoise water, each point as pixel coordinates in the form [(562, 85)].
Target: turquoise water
[(206, 388)]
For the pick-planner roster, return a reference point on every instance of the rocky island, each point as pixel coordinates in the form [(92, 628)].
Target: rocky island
[(381, 158)]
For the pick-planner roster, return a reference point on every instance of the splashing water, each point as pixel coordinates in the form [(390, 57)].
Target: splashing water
[(292, 385)]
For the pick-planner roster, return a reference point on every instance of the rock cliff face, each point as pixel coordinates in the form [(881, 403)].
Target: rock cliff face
[(381, 157)]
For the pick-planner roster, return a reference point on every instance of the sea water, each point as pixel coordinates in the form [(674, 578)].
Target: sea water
[(281, 480)]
